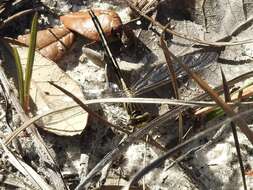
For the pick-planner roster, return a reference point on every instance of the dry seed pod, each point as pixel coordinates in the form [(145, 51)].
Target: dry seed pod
[(82, 23), (52, 43)]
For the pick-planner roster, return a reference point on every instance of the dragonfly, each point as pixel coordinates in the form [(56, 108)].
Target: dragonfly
[(134, 111), (159, 76), (74, 116), (148, 81)]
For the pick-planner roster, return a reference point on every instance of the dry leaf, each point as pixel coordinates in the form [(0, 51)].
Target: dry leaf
[(82, 23), (45, 97), (52, 42)]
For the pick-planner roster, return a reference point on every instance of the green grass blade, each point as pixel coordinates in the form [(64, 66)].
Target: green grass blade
[(30, 60), (20, 76)]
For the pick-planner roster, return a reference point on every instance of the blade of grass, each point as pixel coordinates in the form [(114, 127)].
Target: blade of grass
[(239, 121), (174, 85), (30, 61), (11, 57), (170, 68), (95, 115), (20, 76), (232, 125)]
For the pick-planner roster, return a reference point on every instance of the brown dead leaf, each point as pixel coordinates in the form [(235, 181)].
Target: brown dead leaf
[(46, 97), (82, 23), (52, 42)]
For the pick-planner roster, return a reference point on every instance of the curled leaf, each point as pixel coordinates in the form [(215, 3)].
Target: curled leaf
[(52, 43), (82, 23)]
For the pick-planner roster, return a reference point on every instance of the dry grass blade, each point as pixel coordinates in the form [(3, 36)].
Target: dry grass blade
[(116, 100), (87, 109), (114, 64), (174, 150), (237, 144), (26, 170), (240, 122), (170, 68), (174, 84), (106, 47), (28, 123)]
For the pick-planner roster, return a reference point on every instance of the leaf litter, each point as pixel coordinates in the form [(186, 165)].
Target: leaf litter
[(92, 80)]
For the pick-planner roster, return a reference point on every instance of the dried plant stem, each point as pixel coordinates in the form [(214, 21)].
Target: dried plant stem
[(40, 147), (233, 126)]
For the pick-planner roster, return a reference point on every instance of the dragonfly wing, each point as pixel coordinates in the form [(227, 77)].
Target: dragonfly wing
[(159, 75), (199, 61)]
